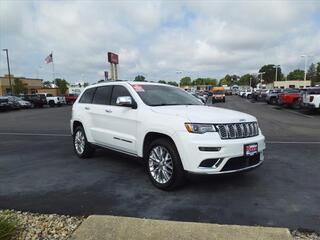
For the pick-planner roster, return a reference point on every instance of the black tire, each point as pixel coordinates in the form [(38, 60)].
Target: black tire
[(88, 150), (51, 103), (273, 101), (296, 104), (178, 175), (224, 99)]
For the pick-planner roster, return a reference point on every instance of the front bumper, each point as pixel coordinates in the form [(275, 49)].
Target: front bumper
[(309, 105), (228, 155)]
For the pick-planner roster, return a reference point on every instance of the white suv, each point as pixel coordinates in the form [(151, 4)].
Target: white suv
[(170, 129)]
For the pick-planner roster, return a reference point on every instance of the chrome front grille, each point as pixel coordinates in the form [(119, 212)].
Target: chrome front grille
[(237, 130)]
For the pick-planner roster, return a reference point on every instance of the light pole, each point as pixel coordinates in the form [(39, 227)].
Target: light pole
[(7, 52), (276, 67), (305, 67), (261, 73), (179, 72)]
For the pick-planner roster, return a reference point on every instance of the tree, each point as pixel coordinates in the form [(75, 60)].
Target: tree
[(269, 75), (312, 73), (296, 74), (245, 80), (318, 73), (223, 81), (248, 79), (62, 84), (162, 81), (205, 81), (139, 78), (18, 86), (47, 84), (173, 83), (185, 81)]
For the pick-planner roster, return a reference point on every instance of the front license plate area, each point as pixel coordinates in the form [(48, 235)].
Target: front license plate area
[(250, 149)]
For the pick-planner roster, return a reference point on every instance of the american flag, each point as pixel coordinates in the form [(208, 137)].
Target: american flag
[(49, 59)]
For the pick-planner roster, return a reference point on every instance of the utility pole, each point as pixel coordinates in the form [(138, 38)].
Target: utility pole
[(305, 67), (7, 52), (276, 67)]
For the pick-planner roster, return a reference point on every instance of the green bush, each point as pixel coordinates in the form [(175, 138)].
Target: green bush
[(9, 227)]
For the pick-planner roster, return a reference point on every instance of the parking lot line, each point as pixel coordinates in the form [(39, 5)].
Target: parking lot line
[(36, 134)]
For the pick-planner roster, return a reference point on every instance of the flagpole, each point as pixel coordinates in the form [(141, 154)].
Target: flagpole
[(53, 75)]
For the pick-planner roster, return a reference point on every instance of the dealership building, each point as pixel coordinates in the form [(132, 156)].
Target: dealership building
[(31, 85)]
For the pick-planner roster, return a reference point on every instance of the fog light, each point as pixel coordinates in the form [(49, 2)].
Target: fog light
[(210, 149), (209, 162)]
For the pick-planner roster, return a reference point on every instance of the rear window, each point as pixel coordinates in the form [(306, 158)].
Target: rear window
[(315, 91), (102, 95), (87, 96)]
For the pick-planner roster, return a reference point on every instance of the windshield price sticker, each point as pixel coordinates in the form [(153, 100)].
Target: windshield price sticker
[(138, 88)]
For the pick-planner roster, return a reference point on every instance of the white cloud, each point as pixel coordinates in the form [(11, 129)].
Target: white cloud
[(157, 38)]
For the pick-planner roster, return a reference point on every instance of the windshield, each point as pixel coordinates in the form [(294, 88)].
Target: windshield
[(155, 95), (314, 91), (218, 92)]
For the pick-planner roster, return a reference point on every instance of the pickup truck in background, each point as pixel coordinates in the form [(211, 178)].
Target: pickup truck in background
[(290, 97), (272, 96), (311, 98), (218, 94), (53, 100), (35, 100), (71, 98)]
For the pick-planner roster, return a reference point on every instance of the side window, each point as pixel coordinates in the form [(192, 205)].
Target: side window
[(87, 96), (102, 95), (118, 91)]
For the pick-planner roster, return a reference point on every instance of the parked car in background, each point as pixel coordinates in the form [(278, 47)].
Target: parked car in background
[(247, 93), (201, 99), (35, 100), (171, 130), (311, 98), (290, 97), (71, 98), (53, 100), (272, 96), (218, 94), (260, 95), (4, 103), (18, 102)]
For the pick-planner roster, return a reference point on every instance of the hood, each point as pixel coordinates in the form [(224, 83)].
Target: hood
[(23, 102), (205, 114)]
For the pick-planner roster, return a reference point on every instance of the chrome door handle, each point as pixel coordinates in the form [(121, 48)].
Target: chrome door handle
[(87, 108), (108, 110)]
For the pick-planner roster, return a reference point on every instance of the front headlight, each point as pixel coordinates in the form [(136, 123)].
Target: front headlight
[(199, 128)]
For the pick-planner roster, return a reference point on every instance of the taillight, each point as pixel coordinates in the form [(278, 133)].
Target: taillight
[(311, 98)]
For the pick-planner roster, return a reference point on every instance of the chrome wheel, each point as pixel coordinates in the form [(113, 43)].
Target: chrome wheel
[(79, 142), (160, 164)]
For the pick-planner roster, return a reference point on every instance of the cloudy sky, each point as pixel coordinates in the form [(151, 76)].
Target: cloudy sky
[(157, 38)]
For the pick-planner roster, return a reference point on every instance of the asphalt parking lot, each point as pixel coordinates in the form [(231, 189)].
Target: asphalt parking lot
[(39, 172)]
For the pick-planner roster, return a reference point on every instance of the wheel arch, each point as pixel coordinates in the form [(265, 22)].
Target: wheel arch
[(76, 124), (151, 136)]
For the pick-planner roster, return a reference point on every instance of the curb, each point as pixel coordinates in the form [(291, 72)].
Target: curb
[(99, 227)]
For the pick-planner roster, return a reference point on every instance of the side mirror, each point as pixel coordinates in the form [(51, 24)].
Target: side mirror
[(126, 101)]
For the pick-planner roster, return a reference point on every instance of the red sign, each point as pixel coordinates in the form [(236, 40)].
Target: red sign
[(113, 58)]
